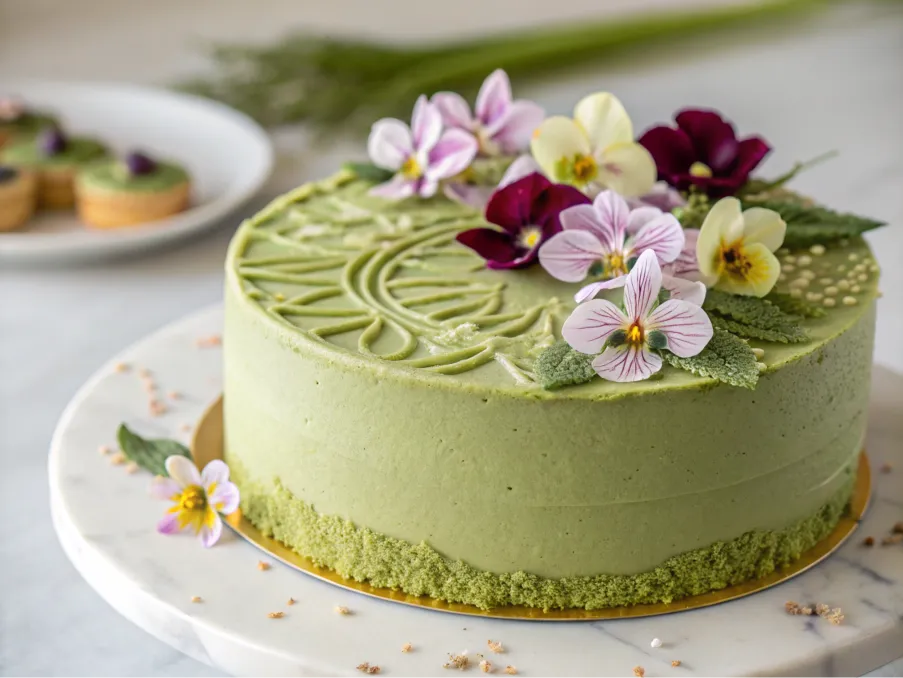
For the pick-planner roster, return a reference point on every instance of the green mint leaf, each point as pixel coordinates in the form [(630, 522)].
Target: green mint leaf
[(149, 454), (368, 171), (560, 365), (795, 307), (812, 224), (752, 318), (725, 358)]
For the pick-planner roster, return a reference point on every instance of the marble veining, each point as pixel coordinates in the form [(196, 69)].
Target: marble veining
[(106, 519)]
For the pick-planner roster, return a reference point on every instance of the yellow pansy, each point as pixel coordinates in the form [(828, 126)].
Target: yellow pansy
[(596, 150), (735, 248)]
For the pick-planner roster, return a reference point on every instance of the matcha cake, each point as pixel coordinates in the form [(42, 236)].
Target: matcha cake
[(415, 398)]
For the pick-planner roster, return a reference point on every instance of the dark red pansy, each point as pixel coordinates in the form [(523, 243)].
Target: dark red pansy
[(527, 211), (703, 151)]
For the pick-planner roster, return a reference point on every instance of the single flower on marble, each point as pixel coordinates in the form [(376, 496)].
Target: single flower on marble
[(734, 249), (501, 124), (703, 152), (628, 341), (197, 498), (596, 150), (604, 239), (421, 155), (527, 210)]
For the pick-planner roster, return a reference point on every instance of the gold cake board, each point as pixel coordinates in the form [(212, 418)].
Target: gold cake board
[(207, 445)]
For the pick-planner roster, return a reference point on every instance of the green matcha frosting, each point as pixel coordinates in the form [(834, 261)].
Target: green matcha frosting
[(387, 417), (112, 176), (29, 124), (78, 151)]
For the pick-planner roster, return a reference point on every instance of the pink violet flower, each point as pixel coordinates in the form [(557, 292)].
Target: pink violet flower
[(703, 151), (197, 498), (682, 277), (626, 342), (528, 212), (604, 238), (421, 155), (501, 124), (661, 195)]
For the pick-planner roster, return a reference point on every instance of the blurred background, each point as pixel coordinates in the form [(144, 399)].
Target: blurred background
[(825, 76)]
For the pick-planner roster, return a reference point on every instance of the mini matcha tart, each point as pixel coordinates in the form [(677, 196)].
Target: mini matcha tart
[(55, 159), (18, 189), (17, 121), (136, 190)]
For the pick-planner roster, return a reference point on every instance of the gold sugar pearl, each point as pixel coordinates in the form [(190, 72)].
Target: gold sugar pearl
[(807, 274), (841, 268), (814, 296), (788, 268), (853, 256), (817, 250), (800, 282), (862, 277), (804, 260), (831, 291), (850, 301), (843, 284), (855, 289), (796, 292), (826, 281), (830, 302)]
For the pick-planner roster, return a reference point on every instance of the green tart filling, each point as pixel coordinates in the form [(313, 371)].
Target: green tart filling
[(78, 151), (112, 176), (364, 555)]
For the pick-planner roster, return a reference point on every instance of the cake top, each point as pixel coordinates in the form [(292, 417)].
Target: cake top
[(451, 255)]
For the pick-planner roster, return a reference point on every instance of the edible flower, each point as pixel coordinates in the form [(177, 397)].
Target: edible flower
[(138, 164), (421, 155), (52, 141), (628, 340), (528, 211), (703, 152), (500, 124), (11, 109), (661, 195), (735, 248), (197, 499), (595, 150), (604, 239)]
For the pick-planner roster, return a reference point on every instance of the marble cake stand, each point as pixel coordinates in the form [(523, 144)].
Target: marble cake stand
[(105, 520)]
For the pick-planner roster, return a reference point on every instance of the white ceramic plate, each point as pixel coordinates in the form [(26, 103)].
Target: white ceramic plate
[(228, 155)]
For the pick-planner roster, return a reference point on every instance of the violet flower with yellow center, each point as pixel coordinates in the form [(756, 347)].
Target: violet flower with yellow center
[(197, 498), (735, 248), (603, 239), (627, 342), (596, 150)]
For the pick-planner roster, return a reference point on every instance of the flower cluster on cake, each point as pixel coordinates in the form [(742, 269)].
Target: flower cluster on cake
[(518, 360)]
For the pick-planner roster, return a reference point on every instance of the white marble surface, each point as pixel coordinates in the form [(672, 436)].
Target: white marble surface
[(832, 82), (105, 519)]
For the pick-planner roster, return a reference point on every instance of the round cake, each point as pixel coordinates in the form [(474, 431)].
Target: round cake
[(407, 415)]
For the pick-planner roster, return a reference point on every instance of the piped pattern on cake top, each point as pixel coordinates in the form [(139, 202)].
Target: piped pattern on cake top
[(424, 259)]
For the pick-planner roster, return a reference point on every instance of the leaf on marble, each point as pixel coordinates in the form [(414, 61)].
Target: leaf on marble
[(150, 455)]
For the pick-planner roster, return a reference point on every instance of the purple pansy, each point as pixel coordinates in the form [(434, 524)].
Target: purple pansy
[(528, 212), (421, 155), (197, 498), (703, 151), (604, 238), (501, 124), (626, 342)]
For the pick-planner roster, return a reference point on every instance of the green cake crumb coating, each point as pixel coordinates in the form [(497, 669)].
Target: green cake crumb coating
[(29, 124), (364, 555), (78, 151), (111, 176)]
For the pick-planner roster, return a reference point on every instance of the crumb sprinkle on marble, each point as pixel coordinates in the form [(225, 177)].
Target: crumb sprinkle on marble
[(675, 662), (365, 667), (510, 670), (290, 601), (495, 646), (485, 666), (121, 367), (832, 614), (868, 541), (639, 671), (117, 459), (104, 449), (458, 661), (209, 342), (275, 615), (131, 468), (263, 566), (197, 599), (656, 642), (342, 610), (407, 647), (886, 467)]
